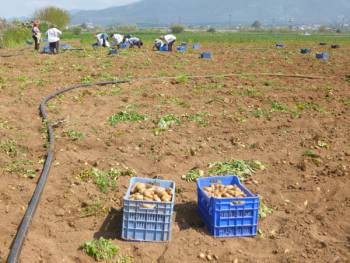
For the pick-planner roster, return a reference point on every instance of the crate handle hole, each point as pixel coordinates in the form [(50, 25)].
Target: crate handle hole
[(238, 203), (147, 206), (216, 181)]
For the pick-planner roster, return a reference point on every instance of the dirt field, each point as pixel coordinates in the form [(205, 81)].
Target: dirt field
[(299, 128)]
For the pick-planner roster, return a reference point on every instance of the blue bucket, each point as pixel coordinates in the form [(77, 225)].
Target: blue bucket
[(206, 55), (322, 56)]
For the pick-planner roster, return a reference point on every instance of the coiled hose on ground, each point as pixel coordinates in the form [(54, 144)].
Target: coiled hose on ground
[(22, 231)]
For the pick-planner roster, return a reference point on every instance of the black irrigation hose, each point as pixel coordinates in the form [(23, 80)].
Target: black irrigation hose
[(33, 204), (22, 231)]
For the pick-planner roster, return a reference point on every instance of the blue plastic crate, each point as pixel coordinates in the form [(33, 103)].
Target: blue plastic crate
[(66, 47), (305, 50), (181, 48), (142, 224), (164, 48), (228, 217), (124, 45), (322, 56), (196, 46), (46, 50), (206, 55)]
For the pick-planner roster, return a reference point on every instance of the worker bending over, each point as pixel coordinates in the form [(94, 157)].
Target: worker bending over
[(102, 40), (53, 37), (118, 39), (135, 41), (158, 43), (170, 40)]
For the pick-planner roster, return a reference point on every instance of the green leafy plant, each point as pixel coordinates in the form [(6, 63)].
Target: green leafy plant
[(21, 167), (104, 179), (250, 92), (277, 106), (193, 175), (240, 168), (166, 122), (307, 106), (125, 259), (210, 86), (199, 118), (4, 125), (261, 113), (311, 154), (346, 102), (92, 209), (75, 135), (124, 116), (264, 210), (9, 147), (181, 78), (101, 249)]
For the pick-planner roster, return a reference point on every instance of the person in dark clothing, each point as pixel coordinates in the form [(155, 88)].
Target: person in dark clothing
[(135, 41), (36, 35)]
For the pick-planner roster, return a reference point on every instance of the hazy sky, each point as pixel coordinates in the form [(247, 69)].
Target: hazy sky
[(17, 8)]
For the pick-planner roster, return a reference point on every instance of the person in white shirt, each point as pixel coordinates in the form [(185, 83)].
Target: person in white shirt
[(53, 37), (158, 44), (134, 41), (170, 40), (102, 40), (118, 39)]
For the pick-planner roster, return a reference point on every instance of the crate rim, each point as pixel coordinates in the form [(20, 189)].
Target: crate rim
[(127, 195), (252, 195)]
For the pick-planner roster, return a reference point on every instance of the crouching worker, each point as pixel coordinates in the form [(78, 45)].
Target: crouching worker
[(170, 40), (135, 41), (157, 44), (53, 37), (36, 35), (102, 40), (118, 39)]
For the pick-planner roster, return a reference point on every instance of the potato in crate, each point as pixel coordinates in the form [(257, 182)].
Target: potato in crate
[(148, 210), (227, 207)]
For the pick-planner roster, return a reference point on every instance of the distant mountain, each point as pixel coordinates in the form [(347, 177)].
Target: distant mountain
[(204, 12)]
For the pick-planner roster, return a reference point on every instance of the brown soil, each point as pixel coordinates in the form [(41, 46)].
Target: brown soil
[(309, 196)]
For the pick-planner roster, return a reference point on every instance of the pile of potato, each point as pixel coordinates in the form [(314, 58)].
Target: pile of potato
[(149, 192), (224, 191)]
